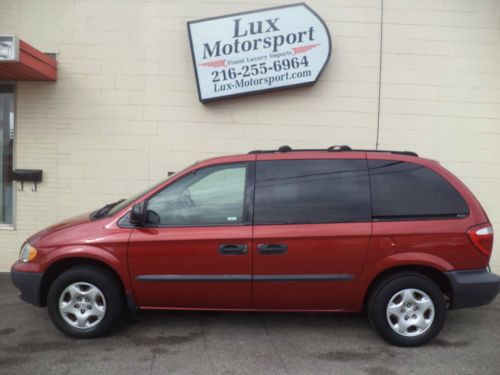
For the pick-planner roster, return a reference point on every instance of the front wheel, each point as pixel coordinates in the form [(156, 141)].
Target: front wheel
[(407, 309), (85, 302)]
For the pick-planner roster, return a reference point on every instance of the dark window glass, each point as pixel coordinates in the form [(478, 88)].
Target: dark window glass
[(7, 104), (311, 191), (209, 196), (410, 190)]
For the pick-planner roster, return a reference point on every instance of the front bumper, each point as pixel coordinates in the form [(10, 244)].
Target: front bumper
[(472, 288), (29, 284)]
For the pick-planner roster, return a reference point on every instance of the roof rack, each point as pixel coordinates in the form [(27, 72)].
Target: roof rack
[(336, 148)]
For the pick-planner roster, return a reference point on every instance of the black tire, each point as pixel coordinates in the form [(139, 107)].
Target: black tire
[(387, 288), (111, 289)]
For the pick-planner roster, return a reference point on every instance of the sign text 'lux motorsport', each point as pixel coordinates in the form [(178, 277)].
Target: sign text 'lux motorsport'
[(258, 51)]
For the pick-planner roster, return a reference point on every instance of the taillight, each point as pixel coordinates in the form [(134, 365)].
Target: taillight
[(481, 237)]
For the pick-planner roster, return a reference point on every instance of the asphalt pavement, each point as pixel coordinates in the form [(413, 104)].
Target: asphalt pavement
[(157, 342)]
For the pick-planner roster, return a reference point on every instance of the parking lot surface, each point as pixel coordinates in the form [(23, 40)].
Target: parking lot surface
[(241, 343)]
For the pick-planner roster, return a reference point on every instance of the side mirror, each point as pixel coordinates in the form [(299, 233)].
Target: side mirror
[(138, 214)]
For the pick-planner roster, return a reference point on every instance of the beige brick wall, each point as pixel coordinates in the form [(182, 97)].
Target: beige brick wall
[(441, 90), (124, 110)]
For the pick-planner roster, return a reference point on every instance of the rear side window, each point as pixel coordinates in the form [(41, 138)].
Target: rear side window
[(311, 191), (407, 190)]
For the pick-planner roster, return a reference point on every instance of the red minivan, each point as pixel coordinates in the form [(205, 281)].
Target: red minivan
[(336, 230)]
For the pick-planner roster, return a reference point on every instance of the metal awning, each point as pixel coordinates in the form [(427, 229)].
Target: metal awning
[(21, 62)]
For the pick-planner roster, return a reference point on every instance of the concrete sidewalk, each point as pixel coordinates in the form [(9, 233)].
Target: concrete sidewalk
[(241, 343)]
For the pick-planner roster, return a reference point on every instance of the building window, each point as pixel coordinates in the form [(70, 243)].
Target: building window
[(7, 104)]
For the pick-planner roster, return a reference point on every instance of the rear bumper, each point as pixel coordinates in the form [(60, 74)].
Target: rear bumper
[(472, 287), (29, 284)]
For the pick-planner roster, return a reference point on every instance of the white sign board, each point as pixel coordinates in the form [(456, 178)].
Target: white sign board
[(258, 51)]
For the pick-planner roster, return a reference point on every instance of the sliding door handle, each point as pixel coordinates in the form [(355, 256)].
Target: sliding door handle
[(269, 249), (233, 249)]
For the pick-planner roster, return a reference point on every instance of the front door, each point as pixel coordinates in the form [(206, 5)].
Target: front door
[(312, 231), (195, 251)]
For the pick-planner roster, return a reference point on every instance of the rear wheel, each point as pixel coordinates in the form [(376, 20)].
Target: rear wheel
[(85, 302), (407, 309)]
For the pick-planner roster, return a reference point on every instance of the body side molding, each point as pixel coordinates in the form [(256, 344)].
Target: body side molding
[(300, 277)]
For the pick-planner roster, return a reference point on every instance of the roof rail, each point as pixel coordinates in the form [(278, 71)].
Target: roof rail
[(336, 148)]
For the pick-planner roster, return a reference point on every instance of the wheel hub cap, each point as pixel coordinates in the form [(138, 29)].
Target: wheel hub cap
[(82, 305), (410, 312)]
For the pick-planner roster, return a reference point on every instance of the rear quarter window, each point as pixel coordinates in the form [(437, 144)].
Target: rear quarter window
[(406, 190)]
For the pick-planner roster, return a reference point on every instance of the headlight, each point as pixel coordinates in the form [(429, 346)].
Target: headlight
[(27, 253)]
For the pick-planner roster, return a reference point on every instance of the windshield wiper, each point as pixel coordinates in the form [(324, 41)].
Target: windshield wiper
[(101, 212)]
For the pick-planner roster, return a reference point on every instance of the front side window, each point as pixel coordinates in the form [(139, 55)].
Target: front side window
[(209, 196), (311, 191), (407, 190), (6, 152)]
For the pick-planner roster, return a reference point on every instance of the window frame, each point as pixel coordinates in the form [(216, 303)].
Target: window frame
[(247, 198), (415, 217), (12, 226)]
